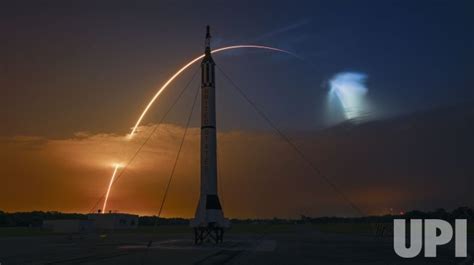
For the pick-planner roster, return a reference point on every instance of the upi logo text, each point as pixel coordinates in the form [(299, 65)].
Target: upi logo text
[(436, 233)]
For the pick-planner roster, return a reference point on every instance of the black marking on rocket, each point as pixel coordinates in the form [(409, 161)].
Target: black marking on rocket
[(212, 202)]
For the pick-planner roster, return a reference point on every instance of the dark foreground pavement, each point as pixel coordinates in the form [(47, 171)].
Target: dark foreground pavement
[(302, 245)]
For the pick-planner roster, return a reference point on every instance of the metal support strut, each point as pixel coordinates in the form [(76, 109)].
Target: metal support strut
[(210, 233)]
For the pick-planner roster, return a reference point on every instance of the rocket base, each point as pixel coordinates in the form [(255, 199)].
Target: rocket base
[(210, 233), (209, 223)]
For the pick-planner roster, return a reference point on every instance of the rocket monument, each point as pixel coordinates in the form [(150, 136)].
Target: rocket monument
[(209, 222)]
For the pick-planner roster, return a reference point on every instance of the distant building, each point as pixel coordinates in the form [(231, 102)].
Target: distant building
[(113, 221), (69, 225)]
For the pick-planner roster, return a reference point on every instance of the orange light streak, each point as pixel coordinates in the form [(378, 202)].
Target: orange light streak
[(187, 66), (117, 166)]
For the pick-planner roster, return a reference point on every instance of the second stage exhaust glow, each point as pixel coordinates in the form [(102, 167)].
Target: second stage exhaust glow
[(187, 66), (350, 89)]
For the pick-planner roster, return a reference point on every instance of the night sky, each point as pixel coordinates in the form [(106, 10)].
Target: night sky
[(75, 76)]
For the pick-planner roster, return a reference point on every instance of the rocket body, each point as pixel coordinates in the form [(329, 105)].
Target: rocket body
[(209, 210)]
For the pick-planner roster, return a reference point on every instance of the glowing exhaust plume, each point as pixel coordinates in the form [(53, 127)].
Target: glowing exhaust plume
[(187, 66), (117, 166), (350, 90)]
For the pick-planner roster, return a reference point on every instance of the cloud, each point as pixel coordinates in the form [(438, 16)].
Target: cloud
[(259, 174), (284, 29), (285, 43)]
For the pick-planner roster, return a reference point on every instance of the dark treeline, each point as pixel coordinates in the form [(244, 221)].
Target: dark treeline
[(458, 213), (36, 218), (150, 221)]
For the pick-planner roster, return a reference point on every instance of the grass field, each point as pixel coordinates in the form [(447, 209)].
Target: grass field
[(347, 228), (160, 229), (23, 231), (236, 229), (360, 228)]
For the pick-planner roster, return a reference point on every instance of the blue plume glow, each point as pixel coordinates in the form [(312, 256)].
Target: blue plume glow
[(349, 88)]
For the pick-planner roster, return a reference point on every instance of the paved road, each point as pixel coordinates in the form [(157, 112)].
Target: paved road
[(302, 246)]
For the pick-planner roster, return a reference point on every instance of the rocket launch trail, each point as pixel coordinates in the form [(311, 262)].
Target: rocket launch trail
[(168, 82), (186, 66), (117, 166)]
